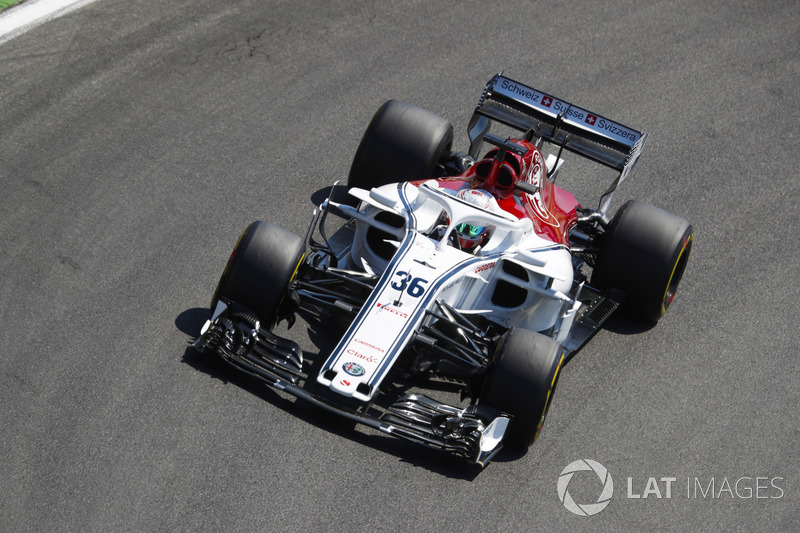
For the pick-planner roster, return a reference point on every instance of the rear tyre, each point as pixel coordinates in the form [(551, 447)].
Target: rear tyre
[(521, 382), (644, 254), (263, 262), (402, 143)]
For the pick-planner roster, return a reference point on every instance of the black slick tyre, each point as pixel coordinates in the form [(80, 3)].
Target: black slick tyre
[(263, 262), (644, 254), (402, 143), (521, 382)]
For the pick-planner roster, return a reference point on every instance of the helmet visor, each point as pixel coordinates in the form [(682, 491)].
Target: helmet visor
[(468, 230)]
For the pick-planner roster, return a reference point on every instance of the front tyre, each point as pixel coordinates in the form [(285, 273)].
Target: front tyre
[(521, 382), (644, 254), (263, 263)]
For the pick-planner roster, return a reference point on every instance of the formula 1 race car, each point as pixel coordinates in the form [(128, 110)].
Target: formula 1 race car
[(473, 278)]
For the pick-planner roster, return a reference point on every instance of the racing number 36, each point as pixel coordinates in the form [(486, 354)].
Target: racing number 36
[(415, 287)]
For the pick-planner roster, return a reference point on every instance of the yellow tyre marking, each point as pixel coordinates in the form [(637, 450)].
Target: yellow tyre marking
[(547, 400), (689, 239)]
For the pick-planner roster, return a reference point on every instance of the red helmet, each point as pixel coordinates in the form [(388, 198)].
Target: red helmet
[(469, 235)]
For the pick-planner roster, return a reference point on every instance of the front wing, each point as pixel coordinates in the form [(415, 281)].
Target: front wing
[(474, 432)]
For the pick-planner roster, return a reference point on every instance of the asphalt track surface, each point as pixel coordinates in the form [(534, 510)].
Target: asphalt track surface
[(137, 139)]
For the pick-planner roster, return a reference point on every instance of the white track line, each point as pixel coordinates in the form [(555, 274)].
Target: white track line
[(20, 18)]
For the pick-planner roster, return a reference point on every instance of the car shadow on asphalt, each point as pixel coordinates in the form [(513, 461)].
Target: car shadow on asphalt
[(190, 321), (625, 325)]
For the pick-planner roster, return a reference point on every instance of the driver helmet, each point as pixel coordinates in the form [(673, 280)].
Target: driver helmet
[(469, 235)]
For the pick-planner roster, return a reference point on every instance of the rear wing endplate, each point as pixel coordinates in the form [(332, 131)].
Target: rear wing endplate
[(545, 117)]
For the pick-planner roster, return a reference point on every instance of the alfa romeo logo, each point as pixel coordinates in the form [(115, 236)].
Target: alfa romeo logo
[(354, 369), (585, 509)]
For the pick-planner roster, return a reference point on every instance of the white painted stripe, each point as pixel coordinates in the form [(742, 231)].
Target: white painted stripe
[(20, 18)]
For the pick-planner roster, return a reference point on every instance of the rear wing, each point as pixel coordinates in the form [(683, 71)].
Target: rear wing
[(549, 119)]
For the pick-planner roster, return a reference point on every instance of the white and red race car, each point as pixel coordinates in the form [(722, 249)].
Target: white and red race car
[(473, 279)]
